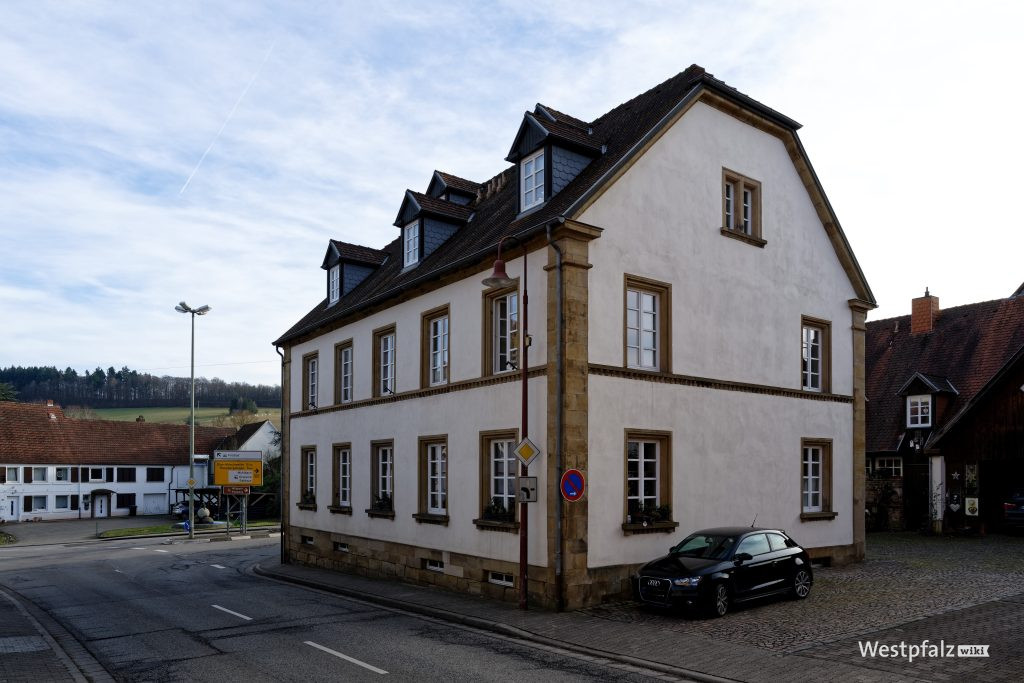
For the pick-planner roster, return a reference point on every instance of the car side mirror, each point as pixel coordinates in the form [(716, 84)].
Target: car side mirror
[(742, 557)]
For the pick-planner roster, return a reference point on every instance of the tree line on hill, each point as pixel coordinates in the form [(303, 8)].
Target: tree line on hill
[(126, 388)]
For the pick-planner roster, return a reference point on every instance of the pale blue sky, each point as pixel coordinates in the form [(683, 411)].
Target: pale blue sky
[(910, 111)]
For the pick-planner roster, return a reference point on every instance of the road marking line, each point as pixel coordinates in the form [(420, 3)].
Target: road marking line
[(119, 571), (160, 551), (218, 566), (225, 609), (345, 657), (140, 548)]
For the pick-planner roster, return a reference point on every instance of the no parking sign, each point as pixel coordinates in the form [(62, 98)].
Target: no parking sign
[(572, 485)]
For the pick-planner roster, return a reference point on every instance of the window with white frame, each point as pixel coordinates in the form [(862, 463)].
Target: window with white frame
[(502, 477), (96, 474), (433, 565), (334, 284), (642, 321), (437, 478), (642, 475), (504, 311), (811, 358), (12, 474), (310, 381), (38, 474), (411, 242), (812, 479), (889, 467), (816, 479), (38, 503), (383, 477), (343, 372), (62, 502), (309, 473), (501, 578), (438, 350), (384, 362), (343, 455), (919, 411), (62, 474), (741, 204), (531, 173)]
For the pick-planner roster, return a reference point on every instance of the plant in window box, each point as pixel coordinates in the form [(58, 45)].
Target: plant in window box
[(382, 503), (308, 498), (497, 512), (649, 513)]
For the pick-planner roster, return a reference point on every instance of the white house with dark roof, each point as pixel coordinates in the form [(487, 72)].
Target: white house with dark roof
[(695, 348)]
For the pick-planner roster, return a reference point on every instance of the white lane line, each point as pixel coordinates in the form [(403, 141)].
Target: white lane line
[(345, 657), (160, 551), (140, 548), (218, 566), (225, 609)]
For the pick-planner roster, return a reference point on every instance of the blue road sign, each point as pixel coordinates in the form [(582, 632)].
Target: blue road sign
[(572, 485)]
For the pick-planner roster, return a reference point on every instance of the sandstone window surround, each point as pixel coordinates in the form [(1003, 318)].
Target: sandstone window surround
[(816, 355), (741, 208), (647, 316), (816, 480)]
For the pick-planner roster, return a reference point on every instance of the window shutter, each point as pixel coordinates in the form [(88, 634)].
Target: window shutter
[(85, 474), (74, 475), (28, 503), (110, 474), (74, 502), (28, 479), (3, 475)]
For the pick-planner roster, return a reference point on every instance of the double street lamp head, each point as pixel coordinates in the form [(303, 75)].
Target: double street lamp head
[(183, 307)]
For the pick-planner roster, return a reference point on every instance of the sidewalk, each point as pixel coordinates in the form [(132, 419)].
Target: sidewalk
[(638, 644), (28, 651)]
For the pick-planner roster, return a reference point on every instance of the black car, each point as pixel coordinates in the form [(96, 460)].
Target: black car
[(714, 568), (1013, 510)]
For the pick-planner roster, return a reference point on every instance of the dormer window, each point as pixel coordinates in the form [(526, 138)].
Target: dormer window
[(531, 174), (334, 284), (411, 241), (919, 411)]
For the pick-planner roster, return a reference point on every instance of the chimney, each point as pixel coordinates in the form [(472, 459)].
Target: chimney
[(49, 403), (923, 313)]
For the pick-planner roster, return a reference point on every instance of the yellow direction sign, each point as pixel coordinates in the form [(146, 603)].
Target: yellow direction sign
[(526, 451), (238, 468)]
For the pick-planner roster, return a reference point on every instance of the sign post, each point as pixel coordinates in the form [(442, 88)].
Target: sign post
[(236, 472)]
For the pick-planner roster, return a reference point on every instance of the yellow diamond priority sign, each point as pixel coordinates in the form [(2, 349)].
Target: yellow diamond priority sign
[(191, 483), (526, 451)]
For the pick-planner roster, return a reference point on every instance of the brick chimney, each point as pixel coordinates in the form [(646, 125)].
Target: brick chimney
[(924, 311)]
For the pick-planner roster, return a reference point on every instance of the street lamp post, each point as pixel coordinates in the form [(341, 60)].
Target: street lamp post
[(183, 307), (499, 278)]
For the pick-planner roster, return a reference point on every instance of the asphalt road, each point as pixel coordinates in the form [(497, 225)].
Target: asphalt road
[(153, 611)]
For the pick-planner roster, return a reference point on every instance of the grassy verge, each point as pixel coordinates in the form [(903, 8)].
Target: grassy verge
[(179, 415), (6, 539), (171, 529)]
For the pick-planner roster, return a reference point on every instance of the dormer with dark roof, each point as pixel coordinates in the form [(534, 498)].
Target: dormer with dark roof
[(448, 187), (550, 150), (347, 265), (427, 222)]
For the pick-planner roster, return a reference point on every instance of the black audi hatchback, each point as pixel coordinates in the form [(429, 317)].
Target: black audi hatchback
[(714, 568)]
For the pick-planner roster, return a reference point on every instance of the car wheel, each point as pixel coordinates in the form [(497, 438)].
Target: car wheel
[(801, 584), (720, 599)]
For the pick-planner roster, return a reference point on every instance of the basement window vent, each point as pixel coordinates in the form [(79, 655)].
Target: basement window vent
[(433, 565), (340, 547), (307, 540), (500, 579)]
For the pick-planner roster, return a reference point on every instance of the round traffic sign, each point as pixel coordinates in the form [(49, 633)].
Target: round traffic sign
[(572, 485)]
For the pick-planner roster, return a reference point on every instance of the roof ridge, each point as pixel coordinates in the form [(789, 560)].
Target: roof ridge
[(947, 310)]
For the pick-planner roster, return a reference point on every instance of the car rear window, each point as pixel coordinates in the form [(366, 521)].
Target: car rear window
[(777, 541)]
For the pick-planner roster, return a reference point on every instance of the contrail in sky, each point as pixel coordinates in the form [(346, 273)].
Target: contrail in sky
[(230, 114)]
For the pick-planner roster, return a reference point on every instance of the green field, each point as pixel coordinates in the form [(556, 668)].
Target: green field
[(179, 415)]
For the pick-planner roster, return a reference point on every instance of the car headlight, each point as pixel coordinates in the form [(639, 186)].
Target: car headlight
[(689, 581)]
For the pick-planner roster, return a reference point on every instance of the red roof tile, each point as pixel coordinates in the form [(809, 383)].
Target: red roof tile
[(36, 434)]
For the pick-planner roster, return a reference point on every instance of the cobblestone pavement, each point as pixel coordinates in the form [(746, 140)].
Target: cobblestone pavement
[(906, 577)]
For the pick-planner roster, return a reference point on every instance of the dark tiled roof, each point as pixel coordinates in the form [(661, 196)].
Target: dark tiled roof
[(620, 131), (570, 133), (235, 441), (29, 435), (457, 183), (967, 347), (359, 253), (441, 207), (564, 118)]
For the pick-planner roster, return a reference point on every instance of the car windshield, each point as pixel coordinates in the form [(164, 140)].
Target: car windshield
[(707, 546)]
